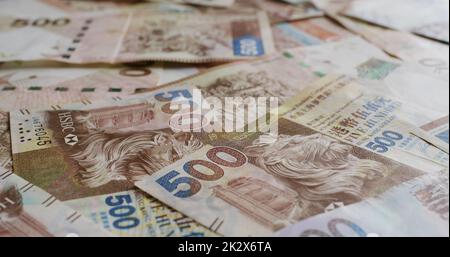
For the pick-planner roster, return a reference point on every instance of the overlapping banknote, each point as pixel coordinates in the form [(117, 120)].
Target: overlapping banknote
[(121, 212), (193, 118), (403, 45)]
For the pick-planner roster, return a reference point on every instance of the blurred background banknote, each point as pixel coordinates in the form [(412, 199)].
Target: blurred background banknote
[(115, 118)]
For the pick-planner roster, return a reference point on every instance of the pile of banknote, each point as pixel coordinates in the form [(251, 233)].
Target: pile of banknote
[(114, 118)]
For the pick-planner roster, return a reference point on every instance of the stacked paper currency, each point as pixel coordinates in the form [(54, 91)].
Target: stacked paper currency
[(224, 118)]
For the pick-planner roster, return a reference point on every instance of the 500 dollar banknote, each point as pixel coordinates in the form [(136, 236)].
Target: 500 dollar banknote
[(140, 35), (269, 182)]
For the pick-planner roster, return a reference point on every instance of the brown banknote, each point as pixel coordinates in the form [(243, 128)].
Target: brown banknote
[(258, 183), (129, 211)]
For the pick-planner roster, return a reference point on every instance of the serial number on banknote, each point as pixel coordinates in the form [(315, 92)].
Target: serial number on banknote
[(42, 137)]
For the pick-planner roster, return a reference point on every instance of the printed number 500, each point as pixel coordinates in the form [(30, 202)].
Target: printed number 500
[(172, 182), (122, 209), (382, 144)]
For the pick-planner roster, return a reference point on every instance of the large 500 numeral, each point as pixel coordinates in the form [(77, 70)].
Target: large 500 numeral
[(382, 144), (122, 211), (172, 182)]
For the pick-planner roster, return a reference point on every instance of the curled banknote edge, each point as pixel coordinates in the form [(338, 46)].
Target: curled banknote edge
[(118, 206)]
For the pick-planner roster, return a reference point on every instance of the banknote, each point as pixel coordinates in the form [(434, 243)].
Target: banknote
[(134, 213), (430, 55), (377, 71), (112, 202), (430, 18), (277, 75), (255, 184), (341, 107), (38, 85), (416, 208), (136, 36), (308, 32)]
